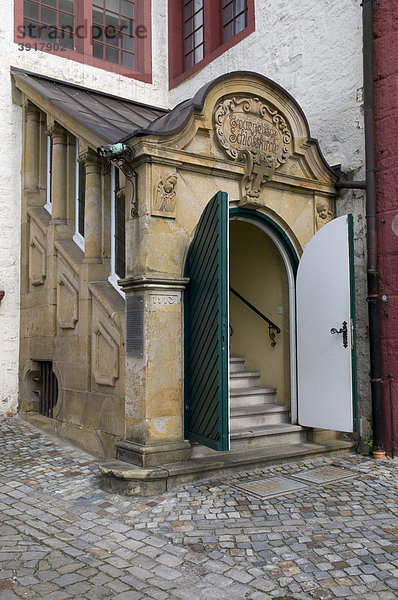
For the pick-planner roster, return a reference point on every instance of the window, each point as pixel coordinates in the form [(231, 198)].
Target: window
[(80, 200), (118, 228), (110, 34), (201, 30), (48, 205)]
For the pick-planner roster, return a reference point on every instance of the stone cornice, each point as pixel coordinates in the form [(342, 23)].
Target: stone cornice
[(155, 282)]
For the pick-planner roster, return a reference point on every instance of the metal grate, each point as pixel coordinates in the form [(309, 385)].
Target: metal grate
[(49, 391)]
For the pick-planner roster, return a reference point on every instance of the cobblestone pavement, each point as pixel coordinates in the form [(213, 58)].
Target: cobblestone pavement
[(62, 537)]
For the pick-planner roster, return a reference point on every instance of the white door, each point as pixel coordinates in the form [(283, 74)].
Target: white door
[(325, 342)]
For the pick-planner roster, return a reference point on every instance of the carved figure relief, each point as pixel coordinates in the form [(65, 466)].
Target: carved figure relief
[(164, 203), (252, 131), (323, 213)]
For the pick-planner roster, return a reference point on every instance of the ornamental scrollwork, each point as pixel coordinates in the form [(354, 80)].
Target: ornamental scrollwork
[(252, 131)]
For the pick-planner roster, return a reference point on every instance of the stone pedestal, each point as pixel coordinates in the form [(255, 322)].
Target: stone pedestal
[(154, 406)]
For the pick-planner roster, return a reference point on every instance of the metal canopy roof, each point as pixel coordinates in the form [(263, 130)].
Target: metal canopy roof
[(110, 117)]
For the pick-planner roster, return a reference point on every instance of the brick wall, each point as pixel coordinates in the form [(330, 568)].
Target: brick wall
[(386, 128)]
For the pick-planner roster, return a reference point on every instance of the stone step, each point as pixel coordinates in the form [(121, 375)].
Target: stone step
[(236, 363), (251, 396), (246, 417), (267, 435), (244, 379)]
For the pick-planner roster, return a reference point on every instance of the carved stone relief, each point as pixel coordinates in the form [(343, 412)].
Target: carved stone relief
[(37, 262), (164, 202), (105, 356), (252, 131), (324, 212), (67, 304)]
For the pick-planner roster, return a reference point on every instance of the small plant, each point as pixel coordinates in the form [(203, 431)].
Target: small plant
[(369, 443)]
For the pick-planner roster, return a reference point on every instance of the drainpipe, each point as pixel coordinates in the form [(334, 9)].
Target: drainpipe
[(376, 379)]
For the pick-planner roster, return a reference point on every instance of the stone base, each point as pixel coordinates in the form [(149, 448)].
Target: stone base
[(321, 435), (152, 456), (124, 478)]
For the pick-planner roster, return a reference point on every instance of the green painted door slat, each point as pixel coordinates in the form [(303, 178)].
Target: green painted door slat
[(206, 329)]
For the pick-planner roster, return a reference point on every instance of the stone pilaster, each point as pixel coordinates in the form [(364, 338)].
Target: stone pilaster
[(154, 408), (32, 147), (92, 211), (59, 171)]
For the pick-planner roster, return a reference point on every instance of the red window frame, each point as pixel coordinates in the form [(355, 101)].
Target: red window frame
[(214, 45), (83, 52)]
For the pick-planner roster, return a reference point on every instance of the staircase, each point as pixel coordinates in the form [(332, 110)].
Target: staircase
[(256, 420)]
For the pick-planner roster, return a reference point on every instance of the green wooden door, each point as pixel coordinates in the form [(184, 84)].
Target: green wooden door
[(206, 329)]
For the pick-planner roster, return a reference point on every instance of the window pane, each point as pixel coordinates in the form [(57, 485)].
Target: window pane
[(119, 233), (188, 27), (98, 50), (189, 61), (127, 25), (128, 60), (49, 16), (197, 5), (50, 2), (112, 5), (66, 40), (228, 13), (198, 54), (128, 8), (98, 33), (198, 19), (111, 21), (240, 5), (128, 43), (198, 36), (30, 9), (188, 9), (98, 15), (48, 34), (189, 44), (67, 5), (240, 23), (30, 28), (81, 198), (112, 54), (228, 31), (66, 22)]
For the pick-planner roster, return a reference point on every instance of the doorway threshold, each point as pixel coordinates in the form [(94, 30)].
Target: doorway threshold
[(120, 477)]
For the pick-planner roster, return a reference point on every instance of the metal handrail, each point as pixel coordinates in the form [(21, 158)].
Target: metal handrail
[(271, 324)]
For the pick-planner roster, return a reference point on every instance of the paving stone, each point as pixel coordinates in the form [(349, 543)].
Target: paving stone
[(334, 541)]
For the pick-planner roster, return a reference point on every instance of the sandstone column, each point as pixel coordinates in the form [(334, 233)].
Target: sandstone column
[(32, 147), (92, 210), (59, 171)]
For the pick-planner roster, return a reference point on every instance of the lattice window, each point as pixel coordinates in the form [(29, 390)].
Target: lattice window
[(193, 32), (50, 21), (113, 31), (234, 17)]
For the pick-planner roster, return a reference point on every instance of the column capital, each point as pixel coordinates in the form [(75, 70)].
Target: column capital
[(57, 133), (89, 157), (31, 109)]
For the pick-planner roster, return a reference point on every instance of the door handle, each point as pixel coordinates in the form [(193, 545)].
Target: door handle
[(343, 330)]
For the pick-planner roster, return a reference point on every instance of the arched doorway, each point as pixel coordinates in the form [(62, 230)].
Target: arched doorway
[(262, 313)]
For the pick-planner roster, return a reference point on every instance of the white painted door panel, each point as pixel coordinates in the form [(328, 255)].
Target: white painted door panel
[(325, 397)]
